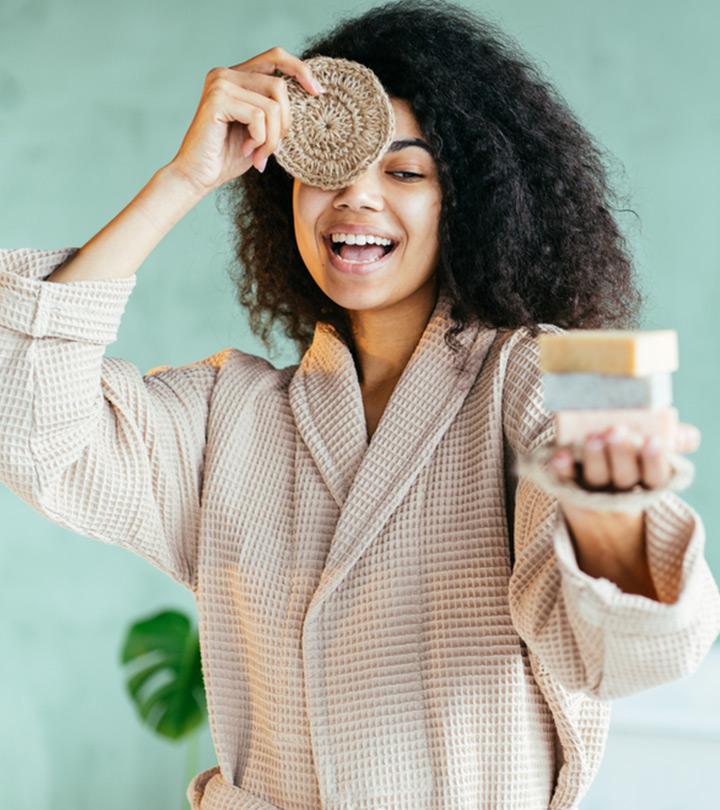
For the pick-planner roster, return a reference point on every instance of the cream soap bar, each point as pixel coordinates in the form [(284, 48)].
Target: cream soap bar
[(609, 351), (567, 392), (571, 427)]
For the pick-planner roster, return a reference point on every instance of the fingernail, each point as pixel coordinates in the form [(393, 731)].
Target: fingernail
[(618, 434), (263, 165), (318, 87), (654, 446)]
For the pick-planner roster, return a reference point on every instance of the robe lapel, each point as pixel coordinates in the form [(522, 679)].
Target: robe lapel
[(368, 481), (326, 401)]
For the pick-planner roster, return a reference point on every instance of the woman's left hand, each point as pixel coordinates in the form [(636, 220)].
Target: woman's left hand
[(618, 459), (613, 544)]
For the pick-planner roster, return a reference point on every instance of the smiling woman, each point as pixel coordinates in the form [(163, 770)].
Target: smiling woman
[(379, 289), (493, 187), (389, 615)]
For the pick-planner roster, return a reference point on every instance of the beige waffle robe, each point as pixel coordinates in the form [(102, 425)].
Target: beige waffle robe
[(367, 641)]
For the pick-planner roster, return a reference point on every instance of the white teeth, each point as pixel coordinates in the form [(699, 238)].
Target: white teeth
[(360, 239), (362, 261)]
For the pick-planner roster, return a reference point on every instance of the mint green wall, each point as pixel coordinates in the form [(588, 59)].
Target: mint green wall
[(94, 97)]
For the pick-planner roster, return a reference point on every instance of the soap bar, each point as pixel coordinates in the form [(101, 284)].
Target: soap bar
[(609, 351), (567, 392), (571, 427)]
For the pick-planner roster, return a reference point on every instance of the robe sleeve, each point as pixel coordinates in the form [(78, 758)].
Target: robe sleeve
[(586, 632), (87, 440)]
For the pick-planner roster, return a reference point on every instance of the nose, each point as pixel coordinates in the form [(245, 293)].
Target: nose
[(363, 192)]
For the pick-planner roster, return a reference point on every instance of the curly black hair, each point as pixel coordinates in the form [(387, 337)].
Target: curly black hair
[(526, 232)]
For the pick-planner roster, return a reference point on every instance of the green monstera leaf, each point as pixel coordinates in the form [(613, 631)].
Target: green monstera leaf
[(162, 654)]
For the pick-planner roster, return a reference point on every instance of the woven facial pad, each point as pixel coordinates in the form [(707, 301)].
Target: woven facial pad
[(335, 136), (535, 467)]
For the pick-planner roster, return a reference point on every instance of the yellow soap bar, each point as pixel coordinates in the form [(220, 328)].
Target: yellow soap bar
[(610, 351), (571, 427)]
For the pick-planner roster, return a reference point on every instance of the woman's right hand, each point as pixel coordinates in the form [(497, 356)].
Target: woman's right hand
[(243, 114)]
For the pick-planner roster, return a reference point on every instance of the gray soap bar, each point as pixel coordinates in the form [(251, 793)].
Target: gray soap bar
[(575, 392)]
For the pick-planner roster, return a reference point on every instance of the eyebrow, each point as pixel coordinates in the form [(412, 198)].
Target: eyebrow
[(396, 146)]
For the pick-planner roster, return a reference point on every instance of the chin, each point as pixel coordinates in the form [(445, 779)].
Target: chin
[(356, 299)]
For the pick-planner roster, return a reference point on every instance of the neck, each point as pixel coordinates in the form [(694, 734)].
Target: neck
[(384, 339)]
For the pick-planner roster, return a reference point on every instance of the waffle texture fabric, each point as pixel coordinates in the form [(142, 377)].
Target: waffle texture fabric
[(335, 136), (392, 624)]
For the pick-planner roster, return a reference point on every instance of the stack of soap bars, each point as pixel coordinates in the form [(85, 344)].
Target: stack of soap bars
[(594, 379)]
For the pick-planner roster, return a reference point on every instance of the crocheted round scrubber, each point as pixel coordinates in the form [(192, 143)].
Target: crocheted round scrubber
[(335, 136), (534, 467)]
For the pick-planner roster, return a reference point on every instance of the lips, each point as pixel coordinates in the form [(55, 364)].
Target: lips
[(354, 267)]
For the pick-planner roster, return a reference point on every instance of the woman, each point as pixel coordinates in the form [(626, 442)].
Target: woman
[(388, 618)]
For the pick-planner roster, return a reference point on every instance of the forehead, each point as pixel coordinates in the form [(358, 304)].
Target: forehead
[(406, 125)]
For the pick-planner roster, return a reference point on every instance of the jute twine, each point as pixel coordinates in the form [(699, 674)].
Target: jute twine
[(335, 136), (534, 467)]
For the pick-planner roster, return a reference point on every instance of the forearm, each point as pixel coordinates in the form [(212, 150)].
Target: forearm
[(612, 545), (120, 248), (589, 634)]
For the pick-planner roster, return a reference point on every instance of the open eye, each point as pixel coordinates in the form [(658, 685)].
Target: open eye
[(408, 174)]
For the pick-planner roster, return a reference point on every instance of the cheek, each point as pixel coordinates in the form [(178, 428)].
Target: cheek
[(423, 218), (308, 206)]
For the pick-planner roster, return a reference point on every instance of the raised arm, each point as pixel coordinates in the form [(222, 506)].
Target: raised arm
[(85, 439)]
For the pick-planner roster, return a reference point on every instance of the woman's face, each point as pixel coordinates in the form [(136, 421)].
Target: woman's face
[(383, 200)]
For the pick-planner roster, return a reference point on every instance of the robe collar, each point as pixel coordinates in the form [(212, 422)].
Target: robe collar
[(368, 479)]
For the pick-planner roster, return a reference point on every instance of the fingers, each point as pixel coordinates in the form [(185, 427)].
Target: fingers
[(267, 87), (563, 464), (596, 462), (279, 59), (625, 469), (687, 438), (262, 115), (234, 110), (266, 137), (617, 460), (246, 83), (656, 467)]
